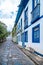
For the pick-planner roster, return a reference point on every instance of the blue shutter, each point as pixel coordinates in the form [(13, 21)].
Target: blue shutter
[(26, 36), (26, 18), (36, 34), (23, 39)]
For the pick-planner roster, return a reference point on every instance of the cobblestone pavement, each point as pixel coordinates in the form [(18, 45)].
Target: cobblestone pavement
[(10, 54)]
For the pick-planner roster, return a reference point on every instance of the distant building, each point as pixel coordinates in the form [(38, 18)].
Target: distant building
[(29, 23)]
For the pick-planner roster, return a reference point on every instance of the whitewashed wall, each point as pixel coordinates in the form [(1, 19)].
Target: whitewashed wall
[(41, 7), (19, 42), (29, 5), (29, 19), (37, 46), (21, 17), (14, 39)]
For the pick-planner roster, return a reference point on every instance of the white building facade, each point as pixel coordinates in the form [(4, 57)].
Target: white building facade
[(29, 22)]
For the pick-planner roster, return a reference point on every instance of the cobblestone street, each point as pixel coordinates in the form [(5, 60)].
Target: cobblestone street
[(10, 54)]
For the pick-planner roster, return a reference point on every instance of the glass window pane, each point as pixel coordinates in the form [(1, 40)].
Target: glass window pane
[(36, 2), (36, 34), (26, 18), (26, 36)]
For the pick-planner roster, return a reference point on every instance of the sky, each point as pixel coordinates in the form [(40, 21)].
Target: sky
[(8, 12)]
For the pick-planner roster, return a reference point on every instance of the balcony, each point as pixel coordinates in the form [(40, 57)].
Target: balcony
[(35, 13)]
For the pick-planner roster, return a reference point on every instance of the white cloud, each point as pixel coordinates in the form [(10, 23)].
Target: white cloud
[(1, 2), (7, 6), (6, 9), (9, 23)]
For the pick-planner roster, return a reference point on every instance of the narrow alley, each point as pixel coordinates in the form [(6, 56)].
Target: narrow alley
[(10, 54)]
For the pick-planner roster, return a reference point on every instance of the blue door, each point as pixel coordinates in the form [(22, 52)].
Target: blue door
[(23, 39)]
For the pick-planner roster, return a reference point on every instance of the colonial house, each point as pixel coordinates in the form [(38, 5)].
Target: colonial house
[(29, 25)]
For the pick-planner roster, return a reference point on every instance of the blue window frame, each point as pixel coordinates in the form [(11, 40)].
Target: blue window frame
[(21, 23), (36, 34), (18, 38), (23, 37), (26, 18), (35, 11), (19, 26), (26, 36), (35, 2)]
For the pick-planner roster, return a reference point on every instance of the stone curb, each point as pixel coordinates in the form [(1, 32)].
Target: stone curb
[(35, 58)]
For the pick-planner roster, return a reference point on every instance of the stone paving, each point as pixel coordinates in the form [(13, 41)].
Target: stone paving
[(10, 54)]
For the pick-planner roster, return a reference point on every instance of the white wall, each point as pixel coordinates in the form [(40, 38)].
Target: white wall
[(37, 46), (29, 12), (19, 42), (29, 18), (29, 5), (22, 16), (14, 39), (41, 7)]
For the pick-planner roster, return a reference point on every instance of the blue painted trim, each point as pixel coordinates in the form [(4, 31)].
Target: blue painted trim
[(38, 53), (41, 17), (32, 5), (38, 16), (26, 36), (22, 5), (26, 18), (26, 27), (36, 40), (34, 22), (33, 8)]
